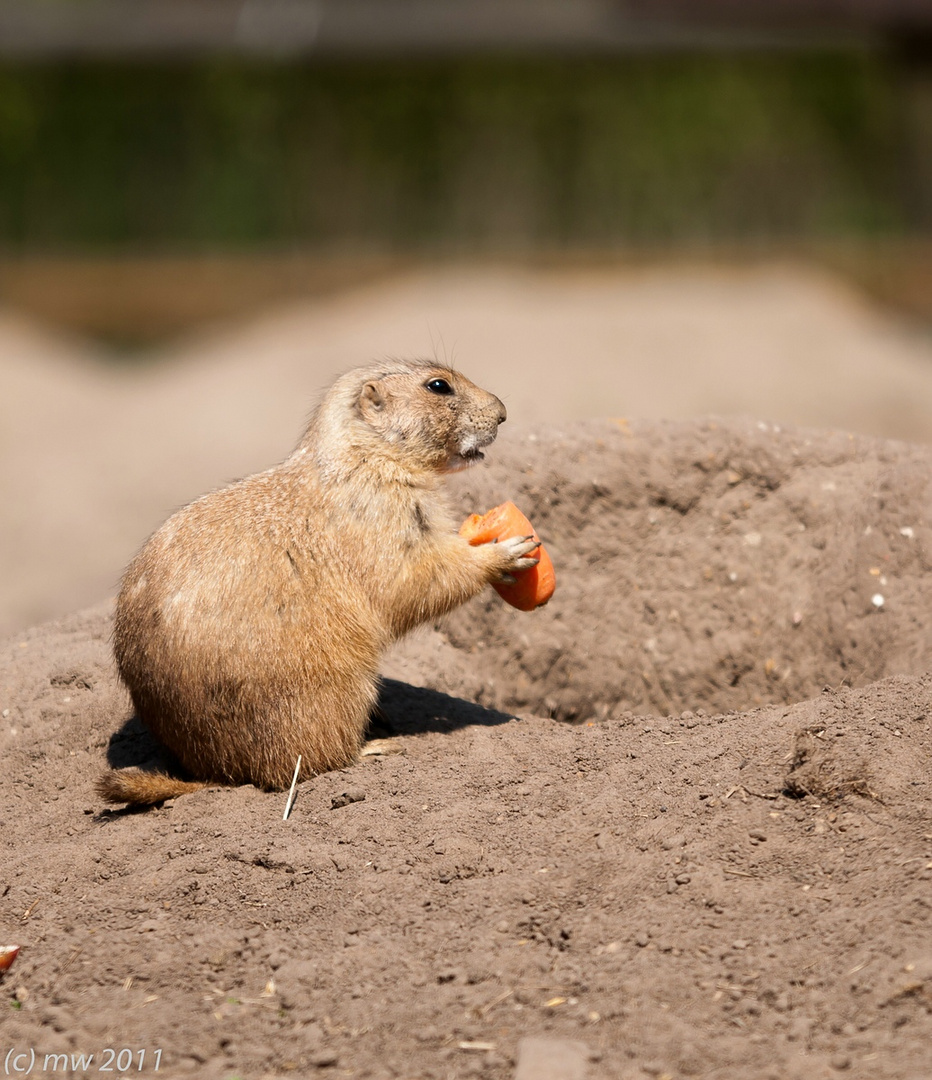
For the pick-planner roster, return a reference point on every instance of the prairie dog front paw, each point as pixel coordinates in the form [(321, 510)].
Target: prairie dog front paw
[(511, 556)]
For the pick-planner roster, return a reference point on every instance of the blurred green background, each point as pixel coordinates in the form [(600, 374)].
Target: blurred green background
[(471, 154), (147, 183)]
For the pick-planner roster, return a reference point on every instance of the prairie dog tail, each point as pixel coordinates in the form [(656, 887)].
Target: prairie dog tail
[(140, 788)]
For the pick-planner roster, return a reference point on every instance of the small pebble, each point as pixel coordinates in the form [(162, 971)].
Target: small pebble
[(541, 1058), (324, 1059), (798, 1029), (351, 795), (877, 600)]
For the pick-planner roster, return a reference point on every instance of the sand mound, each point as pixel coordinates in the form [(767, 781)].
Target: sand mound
[(93, 457), (717, 565), (672, 886)]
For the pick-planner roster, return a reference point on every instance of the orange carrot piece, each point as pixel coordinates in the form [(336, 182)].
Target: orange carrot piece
[(7, 955), (533, 587)]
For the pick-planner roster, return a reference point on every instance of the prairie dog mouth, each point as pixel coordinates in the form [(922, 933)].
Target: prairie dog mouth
[(464, 459), (470, 450)]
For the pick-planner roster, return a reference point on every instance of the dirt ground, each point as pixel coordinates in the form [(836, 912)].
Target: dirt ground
[(676, 824)]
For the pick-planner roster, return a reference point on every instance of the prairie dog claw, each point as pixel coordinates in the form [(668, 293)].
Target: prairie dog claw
[(519, 547), (518, 552)]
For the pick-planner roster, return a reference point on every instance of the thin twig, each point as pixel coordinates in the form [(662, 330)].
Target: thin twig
[(761, 794), (32, 907), (291, 793), (481, 1010)]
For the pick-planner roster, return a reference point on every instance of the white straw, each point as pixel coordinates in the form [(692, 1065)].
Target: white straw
[(291, 793)]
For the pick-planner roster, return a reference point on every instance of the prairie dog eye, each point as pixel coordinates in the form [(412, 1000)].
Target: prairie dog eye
[(439, 386)]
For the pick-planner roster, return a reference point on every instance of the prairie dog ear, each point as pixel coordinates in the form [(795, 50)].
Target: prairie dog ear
[(371, 400)]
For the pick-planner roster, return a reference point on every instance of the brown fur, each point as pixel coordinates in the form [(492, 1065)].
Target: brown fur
[(249, 627)]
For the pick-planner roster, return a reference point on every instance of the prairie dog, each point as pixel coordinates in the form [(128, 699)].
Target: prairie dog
[(249, 627)]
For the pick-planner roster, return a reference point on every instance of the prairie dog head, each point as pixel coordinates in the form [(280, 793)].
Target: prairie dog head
[(420, 414)]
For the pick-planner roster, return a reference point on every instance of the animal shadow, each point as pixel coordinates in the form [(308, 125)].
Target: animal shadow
[(401, 710), (135, 745), (415, 710)]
